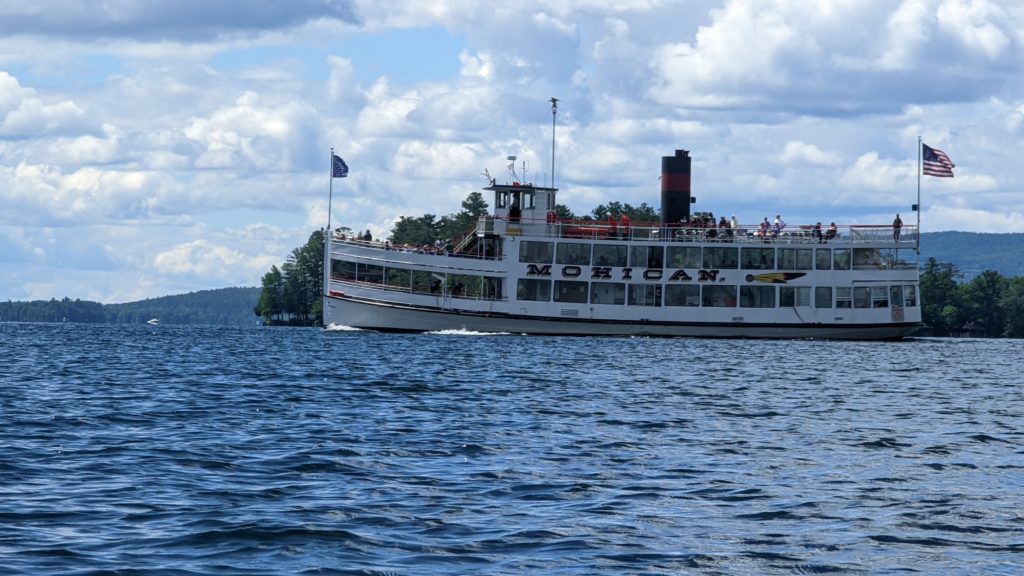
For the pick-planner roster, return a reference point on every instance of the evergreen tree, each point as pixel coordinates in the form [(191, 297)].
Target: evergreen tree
[(940, 297), (293, 294), (271, 303), (415, 231), (1012, 308), (641, 213), (982, 299)]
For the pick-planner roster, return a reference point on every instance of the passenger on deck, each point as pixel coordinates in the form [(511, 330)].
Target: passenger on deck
[(896, 225), (816, 232), (831, 232), (778, 226), (734, 223), (514, 212), (762, 230), (613, 231), (624, 222)]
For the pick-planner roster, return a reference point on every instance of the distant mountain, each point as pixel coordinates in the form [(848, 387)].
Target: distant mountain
[(223, 307), (973, 252)]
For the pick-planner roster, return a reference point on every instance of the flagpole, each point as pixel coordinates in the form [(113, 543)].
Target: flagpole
[(330, 188), (327, 233), (917, 244)]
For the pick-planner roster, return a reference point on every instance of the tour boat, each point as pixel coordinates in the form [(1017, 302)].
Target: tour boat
[(520, 269)]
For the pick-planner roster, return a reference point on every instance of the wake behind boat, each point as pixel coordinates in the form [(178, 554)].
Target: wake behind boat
[(522, 270)]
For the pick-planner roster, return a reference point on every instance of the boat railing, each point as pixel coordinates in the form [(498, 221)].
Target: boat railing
[(858, 234), (648, 232), (431, 249)]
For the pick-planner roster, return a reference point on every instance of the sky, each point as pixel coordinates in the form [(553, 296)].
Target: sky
[(168, 146)]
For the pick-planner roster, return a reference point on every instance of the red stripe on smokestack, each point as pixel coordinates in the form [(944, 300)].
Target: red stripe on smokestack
[(675, 182)]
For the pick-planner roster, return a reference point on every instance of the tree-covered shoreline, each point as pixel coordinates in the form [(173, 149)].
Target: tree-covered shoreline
[(221, 306)]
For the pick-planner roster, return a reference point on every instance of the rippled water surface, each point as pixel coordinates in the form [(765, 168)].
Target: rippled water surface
[(206, 450)]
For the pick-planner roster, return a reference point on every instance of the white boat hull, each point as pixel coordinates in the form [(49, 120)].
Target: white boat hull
[(390, 317)]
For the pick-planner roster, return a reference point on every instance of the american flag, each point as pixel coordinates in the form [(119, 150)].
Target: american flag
[(340, 170), (936, 163)]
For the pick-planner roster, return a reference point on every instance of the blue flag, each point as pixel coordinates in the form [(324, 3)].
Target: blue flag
[(338, 167)]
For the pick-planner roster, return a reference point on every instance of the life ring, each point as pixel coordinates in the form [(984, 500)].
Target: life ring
[(552, 217)]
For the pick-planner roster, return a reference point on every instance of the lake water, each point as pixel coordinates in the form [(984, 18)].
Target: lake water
[(206, 450)]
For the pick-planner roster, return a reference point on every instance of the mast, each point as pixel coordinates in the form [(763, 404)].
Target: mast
[(554, 112)]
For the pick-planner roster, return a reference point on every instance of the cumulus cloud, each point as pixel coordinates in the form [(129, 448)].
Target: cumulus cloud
[(202, 258), (977, 24), (163, 19), (23, 115), (251, 133), (796, 152)]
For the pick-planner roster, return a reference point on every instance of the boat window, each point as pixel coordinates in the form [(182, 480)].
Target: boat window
[(757, 296), (570, 291), (804, 259), (343, 270), (645, 294), (682, 257), (655, 256), (841, 257), (501, 199), (896, 296), (795, 296), (823, 258), (529, 200), (532, 289), (398, 278), (862, 297), (844, 297), (910, 295), (682, 295), (422, 282), (757, 258), (823, 297), (866, 258), (371, 273), (718, 296), (879, 297), (535, 252), (607, 293), (492, 288), (794, 258), (572, 253), (646, 256), (464, 285), (719, 258), (610, 255)]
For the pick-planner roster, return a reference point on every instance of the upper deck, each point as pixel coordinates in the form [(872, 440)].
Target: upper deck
[(857, 234)]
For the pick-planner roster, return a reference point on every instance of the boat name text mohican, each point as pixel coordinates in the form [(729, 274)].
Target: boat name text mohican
[(605, 273)]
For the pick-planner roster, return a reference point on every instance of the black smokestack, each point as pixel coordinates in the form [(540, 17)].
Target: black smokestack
[(675, 187)]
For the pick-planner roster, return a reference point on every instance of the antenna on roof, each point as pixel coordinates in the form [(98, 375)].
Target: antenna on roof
[(512, 167)]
